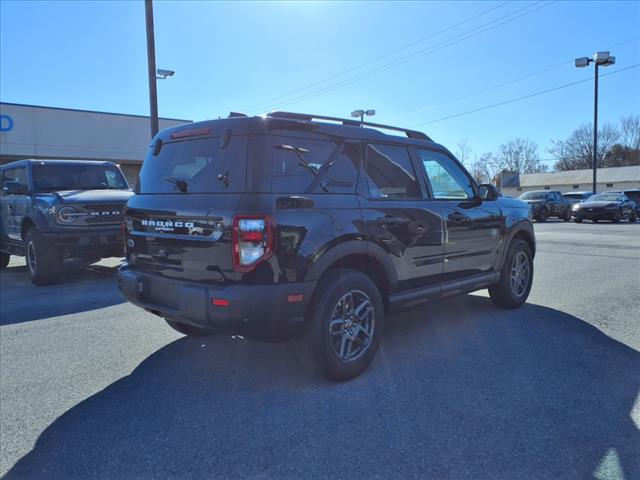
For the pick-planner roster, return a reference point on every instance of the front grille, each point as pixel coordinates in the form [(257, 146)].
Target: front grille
[(102, 214)]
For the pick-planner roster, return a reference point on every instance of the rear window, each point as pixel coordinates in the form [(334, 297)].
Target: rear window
[(196, 166), (297, 165)]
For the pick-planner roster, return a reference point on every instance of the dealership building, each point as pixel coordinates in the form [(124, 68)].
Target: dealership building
[(31, 131), (611, 178)]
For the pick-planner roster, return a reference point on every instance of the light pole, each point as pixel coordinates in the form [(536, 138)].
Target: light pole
[(362, 113), (600, 59), (151, 67)]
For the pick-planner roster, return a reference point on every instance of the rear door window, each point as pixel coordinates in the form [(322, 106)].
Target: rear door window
[(297, 165), (196, 166), (390, 173)]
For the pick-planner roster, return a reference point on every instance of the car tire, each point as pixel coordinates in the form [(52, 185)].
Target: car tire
[(516, 277), (339, 342), (44, 261), (188, 330), (567, 216), (618, 217), (633, 218), (577, 220), (4, 260), (543, 215)]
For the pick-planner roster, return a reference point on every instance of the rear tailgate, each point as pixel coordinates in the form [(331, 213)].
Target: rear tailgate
[(182, 236)]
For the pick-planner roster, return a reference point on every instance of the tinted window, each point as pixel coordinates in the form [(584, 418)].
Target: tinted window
[(195, 166), (635, 196), (448, 181), (390, 173), (298, 165), (77, 177), (16, 175)]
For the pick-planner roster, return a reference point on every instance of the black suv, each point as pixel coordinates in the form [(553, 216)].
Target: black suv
[(313, 228), (52, 210), (545, 204)]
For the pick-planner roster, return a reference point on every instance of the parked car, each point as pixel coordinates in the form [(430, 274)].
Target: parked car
[(576, 197), (52, 210), (547, 203), (612, 206), (313, 228)]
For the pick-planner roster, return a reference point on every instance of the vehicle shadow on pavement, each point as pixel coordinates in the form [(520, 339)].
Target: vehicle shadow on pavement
[(79, 290), (458, 390)]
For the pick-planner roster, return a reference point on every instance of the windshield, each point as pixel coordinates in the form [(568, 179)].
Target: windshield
[(605, 197), (77, 177), (533, 196)]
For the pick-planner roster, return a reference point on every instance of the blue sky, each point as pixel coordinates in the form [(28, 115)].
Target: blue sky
[(239, 55)]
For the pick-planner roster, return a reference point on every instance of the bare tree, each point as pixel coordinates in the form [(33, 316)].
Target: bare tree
[(630, 131), (520, 156), (464, 151), (576, 152)]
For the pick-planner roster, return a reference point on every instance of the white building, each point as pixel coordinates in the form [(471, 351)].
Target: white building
[(612, 178), (30, 131)]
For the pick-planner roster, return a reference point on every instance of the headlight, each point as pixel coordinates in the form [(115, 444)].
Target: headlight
[(576, 206), (68, 214)]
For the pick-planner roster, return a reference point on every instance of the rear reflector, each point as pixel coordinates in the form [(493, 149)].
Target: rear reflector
[(219, 302), (194, 132), (298, 297)]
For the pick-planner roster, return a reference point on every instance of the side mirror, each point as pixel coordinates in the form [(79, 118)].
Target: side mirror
[(489, 192), (14, 188)]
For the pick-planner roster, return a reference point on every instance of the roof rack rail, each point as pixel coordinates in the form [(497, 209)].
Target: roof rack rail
[(353, 123)]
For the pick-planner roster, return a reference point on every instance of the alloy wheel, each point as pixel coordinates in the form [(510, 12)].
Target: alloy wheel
[(31, 256), (352, 325), (520, 274)]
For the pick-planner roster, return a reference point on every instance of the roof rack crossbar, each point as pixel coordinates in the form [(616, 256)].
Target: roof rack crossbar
[(350, 122)]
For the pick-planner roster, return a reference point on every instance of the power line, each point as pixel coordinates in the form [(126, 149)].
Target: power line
[(504, 84), (373, 60), (434, 48), (494, 105)]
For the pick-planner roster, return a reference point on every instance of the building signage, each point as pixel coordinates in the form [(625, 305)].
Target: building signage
[(6, 123)]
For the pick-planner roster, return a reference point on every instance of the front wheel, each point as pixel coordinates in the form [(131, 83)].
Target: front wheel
[(618, 217), (543, 215), (189, 330), (578, 220), (516, 277), (343, 325), (4, 260), (44, 261)]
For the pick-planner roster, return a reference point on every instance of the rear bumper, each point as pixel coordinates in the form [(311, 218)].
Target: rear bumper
[(88, 243), (258, 312)]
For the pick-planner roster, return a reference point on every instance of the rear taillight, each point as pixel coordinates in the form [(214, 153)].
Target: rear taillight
[(253, 240)]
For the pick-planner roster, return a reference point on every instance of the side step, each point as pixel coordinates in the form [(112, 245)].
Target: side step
[(409, 298)]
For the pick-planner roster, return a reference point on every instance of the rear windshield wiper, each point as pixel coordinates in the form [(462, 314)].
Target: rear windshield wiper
[(299, 151), (179, 183)]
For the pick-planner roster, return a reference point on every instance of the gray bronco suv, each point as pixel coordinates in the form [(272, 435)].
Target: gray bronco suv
[(53, 210)]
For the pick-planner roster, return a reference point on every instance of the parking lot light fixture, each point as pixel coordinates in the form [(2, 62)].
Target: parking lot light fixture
[(362, 113), (602, 59)]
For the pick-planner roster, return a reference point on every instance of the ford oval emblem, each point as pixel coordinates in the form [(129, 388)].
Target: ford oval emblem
[(131, 243)]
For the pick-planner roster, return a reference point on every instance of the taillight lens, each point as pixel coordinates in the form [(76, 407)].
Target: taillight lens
[(253, 240)]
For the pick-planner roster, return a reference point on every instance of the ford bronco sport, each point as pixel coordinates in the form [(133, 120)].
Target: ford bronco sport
[(52, 210), (314, 228)]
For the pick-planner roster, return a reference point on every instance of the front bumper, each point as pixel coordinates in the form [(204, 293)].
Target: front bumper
[(594, 215), (88, 243), (258, 312)]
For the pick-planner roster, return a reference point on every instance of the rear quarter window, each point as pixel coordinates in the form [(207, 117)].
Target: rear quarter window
[(281, 164), (200, 165)]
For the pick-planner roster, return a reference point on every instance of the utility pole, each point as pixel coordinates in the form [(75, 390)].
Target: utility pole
[(595, 129), (151, 64)]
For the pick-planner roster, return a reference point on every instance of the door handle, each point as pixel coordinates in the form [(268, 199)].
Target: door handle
[(458, 217)]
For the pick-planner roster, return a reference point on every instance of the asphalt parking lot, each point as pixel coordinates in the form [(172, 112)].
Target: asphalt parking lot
[(92, 387)]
